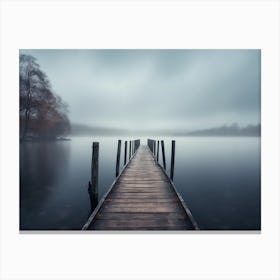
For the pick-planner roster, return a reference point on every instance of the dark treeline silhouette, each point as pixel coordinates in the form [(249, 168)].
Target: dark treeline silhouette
[(229, 130), (43, 114)]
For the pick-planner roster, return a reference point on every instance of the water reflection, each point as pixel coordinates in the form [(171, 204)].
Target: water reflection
[(42, 165)]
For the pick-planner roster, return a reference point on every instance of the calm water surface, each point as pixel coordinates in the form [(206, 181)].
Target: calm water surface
[(218, 177)]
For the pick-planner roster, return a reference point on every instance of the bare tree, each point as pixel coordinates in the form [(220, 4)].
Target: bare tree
[(42, 112)]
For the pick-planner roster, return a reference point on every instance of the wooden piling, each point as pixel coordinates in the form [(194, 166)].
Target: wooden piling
[(137, 144), (93, 197), (93, 186), (129, 149), (163, 154), (157, 150), (125, 152), (118, 158), (172, 160)]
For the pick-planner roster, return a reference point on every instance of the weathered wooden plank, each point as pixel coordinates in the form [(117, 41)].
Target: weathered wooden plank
[(141, 191), (138, 181), (154, 228), (148, 191), (139, 216), (141, 209), (143, 204), (140, 200), (140, 223), (144, 188), (140, 196), (143, 184)]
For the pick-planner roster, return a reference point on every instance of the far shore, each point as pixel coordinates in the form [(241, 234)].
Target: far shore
[(42, 139)]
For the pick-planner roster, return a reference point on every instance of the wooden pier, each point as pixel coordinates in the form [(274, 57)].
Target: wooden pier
[(142, 197)]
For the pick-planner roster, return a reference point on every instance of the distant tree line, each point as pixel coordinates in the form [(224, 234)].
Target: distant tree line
[(43, 114), (229, 130)]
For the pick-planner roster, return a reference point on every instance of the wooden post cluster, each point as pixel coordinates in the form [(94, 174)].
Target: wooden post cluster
[(137, 144), (128, 152), (154, 147)]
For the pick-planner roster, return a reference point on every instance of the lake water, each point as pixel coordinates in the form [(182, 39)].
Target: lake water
[(218, 177)]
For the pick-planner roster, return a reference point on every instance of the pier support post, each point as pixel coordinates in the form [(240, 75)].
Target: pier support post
[(125, 152), (137, 144), (129, 149), (93, 184), (93, 198), (172, 160), (157, 150), (163, 154), (118, 158)]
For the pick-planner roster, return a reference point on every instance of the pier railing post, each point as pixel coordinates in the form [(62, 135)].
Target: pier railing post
[(163, 154), (125, 152), (130, 149), (157, 150), (118, 158), (93, 184), (172, 160)]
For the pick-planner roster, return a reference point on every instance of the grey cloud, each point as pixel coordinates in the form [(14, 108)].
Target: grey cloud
[(188, 89)]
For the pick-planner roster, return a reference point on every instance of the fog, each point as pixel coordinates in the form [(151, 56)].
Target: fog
[(156, 89)]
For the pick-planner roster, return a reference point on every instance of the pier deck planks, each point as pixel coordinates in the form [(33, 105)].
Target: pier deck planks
[(142, 198)]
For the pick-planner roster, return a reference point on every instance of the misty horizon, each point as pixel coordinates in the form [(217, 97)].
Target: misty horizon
[(154, 90), (224, 130)]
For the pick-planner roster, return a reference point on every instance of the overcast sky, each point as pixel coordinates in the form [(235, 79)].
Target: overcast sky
[(156, 89)]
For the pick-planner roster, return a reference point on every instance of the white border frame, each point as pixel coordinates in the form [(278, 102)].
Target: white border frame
[(155, 24)]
